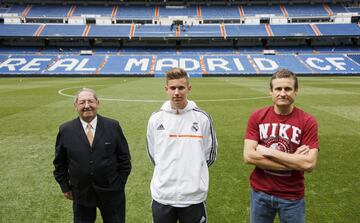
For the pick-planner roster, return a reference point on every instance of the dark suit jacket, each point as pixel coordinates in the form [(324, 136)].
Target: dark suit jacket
[(86, 170)]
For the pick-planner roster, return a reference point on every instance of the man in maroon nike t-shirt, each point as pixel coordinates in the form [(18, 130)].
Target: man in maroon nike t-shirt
[(282, 142)]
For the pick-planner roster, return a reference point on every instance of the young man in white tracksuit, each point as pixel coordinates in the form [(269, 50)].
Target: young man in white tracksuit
[(181, 144)]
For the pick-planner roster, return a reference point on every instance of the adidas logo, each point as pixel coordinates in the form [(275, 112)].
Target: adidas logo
[(161, 127), (203, 219)]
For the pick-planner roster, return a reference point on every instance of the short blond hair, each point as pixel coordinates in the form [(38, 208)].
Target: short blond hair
[(176, 73)]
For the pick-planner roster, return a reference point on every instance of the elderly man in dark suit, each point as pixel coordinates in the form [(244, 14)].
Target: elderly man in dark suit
[(92, 162)]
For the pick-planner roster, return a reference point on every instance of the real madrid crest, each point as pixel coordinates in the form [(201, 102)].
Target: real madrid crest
[(195, 127)]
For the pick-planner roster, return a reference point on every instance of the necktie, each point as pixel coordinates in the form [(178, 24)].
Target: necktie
[(89, 134)]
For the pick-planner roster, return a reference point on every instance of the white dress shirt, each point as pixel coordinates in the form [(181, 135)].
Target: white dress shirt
[(93, 124)]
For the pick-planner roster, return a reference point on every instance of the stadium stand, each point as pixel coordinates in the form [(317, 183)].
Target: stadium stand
[(45, 11), (339, 29), (219, 12), (206, 38), (153, 31), (238, 30), (93, 11), (262, 10), (292, 30), (166, 11), (135, 13), (306, 11)]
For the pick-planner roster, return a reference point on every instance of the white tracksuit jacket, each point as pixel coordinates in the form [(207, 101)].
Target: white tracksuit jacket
[(181, 144)]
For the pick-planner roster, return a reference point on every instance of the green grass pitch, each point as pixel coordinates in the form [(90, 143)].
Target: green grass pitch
[(31, 109)]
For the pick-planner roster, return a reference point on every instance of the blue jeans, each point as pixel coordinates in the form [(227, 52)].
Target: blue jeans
[(264, 207)]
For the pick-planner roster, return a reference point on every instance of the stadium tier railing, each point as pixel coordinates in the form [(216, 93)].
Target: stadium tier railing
[(197, 31)]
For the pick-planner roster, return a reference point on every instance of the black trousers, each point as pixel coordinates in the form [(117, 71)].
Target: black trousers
[(195, 213), (111, 205)]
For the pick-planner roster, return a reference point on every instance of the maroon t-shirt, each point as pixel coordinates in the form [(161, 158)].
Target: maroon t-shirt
[(285, 133)]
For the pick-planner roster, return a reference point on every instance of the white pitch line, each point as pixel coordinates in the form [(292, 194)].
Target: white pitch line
[(156, 101), (232, 99)]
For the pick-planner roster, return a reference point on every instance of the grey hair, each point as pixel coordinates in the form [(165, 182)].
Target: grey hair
[(93, 92)]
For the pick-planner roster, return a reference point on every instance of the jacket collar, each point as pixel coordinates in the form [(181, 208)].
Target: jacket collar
[(167, 107)]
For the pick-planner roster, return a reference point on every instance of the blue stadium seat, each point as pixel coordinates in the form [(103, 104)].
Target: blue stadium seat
[(17, 9), (177, 11), (220, 12), (355, 57), (115, 31), (207, 30), (55, 30), (93, 10), (4, 9), (135, 12), (262, 10), (338, 9), (237, 30), (18, 29), (354, 9), (48, 11), (306, 10), (292, 30), (198, 61), (195, 64), (153, 31), (339, 29)]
